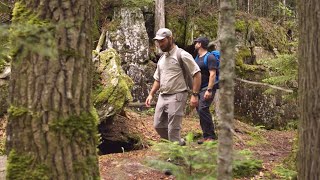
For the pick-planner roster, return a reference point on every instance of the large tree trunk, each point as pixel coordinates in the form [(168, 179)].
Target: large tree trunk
[(309, 90), (227, 41), (52, 128)]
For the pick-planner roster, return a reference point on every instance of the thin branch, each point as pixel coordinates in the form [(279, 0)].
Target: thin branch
[(265, 84)]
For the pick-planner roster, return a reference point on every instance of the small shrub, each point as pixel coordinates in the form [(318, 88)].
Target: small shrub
[(195, 161)]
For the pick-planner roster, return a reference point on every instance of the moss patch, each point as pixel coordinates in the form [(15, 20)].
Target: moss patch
[(113, 86), (17, 111), (31, 33), (240, 25), (242, 69), (22, 166), (78, 127)]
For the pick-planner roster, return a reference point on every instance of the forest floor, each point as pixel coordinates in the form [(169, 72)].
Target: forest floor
[(270, 146)]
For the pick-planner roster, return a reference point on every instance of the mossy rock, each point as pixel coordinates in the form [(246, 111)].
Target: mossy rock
[(3, 97), (247, 71), (112, 86)]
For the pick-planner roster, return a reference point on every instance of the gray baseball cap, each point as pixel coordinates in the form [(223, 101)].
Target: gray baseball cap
[(162, 33)]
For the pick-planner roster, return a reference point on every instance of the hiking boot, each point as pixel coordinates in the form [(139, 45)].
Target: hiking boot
[(201, 141)]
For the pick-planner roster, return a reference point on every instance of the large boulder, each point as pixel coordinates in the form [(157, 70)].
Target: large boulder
[(253, 105), (131, 41), (111, 91)]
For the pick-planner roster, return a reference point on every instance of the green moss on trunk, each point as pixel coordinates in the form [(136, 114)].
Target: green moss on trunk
[(23, 166), (17, 111), (78, 127)]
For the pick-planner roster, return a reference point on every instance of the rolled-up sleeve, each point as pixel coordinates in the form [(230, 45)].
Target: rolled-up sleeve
[(156, 74)]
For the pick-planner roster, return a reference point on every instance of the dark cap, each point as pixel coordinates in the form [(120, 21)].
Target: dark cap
[(162, 33), (203, 40)]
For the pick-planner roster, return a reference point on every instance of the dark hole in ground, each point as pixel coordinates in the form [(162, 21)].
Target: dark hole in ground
[(108, 146), (115, 137)]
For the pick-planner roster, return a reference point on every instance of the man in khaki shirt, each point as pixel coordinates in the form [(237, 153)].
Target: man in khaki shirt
[(169, 79)]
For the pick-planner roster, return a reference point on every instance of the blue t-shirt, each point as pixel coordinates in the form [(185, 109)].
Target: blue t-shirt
[(205, 74)]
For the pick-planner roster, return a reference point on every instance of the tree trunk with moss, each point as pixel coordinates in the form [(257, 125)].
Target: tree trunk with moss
[(309, 90), (227, 41), (52, 126)]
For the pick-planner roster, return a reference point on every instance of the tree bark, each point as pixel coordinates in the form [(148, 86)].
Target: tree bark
[(309, 90), (52, 127), (227, 41), (159, 18)]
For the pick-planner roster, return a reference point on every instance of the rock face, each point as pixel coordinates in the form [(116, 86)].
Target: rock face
[(253, 105), (130, 40)]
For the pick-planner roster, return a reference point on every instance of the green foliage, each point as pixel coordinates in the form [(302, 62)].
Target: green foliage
[(244, 164), (149, 112), (23, 166), (283, 71), (199, 161), (240, 25), (282, 11), (78, 128), (284, 173)]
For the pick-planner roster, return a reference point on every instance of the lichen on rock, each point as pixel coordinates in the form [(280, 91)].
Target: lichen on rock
[(111, 85)]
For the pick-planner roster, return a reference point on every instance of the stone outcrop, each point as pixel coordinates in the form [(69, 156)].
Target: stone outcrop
[(255, 106), (131, 41), (112, 86)]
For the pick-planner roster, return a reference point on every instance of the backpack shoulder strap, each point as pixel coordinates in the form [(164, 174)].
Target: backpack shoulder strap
[(205, 59), (184, 71), (179, 50)]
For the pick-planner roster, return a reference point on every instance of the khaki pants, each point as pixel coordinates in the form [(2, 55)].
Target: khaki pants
[(168, 115)]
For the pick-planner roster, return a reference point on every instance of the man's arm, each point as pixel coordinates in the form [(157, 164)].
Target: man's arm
[(195, 89), (213, 66), (212, 78), (196, 82), (154, 89)]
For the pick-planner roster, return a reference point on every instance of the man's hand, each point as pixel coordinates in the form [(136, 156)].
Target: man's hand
[(207, 95), (148, 100), (194, 100)]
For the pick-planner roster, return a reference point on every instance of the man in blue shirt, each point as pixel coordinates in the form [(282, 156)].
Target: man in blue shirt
[(209, 71)]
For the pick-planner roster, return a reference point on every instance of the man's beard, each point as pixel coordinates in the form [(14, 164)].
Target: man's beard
[(196, 50), (167, 48)]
